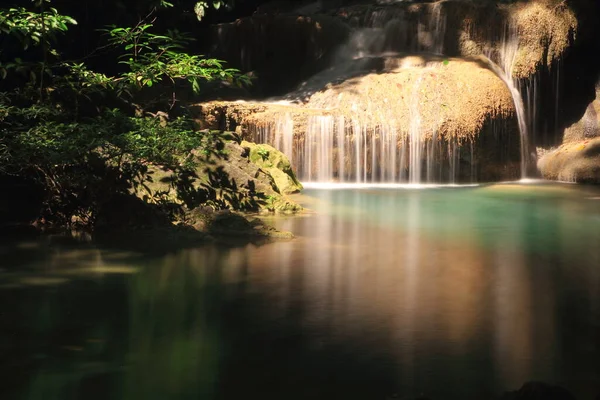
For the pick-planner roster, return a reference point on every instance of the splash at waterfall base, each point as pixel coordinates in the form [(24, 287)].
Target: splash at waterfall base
[(402, 118)]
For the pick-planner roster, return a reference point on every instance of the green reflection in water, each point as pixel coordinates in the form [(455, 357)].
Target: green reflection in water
[(165, 345)]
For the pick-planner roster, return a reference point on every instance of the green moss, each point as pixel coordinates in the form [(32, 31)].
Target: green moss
[(276, 164), (230, 181)]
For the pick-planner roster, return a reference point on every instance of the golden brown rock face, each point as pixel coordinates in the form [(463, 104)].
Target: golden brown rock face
[(546, 29), (380, 123), (578, 158), (452, 98), (573, 162), (541, 30)]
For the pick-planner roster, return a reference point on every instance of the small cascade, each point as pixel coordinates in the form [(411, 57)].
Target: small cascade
[(557, 93), (317, 163), (337, 149), (524, 41), (409, 140), (437, 28), (393, 127), (390, 30), (531, 89), (414, 134), (284, 135), (507, 55), (280, 134)]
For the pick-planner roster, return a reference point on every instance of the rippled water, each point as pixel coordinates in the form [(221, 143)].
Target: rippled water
[(455, 293)]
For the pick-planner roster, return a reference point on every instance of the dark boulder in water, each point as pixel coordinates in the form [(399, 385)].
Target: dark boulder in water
[(539, 391)]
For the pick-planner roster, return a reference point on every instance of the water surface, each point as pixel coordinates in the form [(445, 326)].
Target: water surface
[(453, 293)]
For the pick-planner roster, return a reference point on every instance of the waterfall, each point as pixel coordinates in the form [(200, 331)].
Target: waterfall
[(336, 149), (327, 146), (414, 133), (284, 135), (318, 147), (507, 54), (393, 30), (437, 27)]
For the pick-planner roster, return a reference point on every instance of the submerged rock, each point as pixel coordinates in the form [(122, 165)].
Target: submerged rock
[(229, 223), (539, 391)]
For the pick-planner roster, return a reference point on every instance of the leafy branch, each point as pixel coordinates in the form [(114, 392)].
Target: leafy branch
[(34, 28)]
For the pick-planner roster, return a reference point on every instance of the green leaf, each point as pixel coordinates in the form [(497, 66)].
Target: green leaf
[(200, 9), (446, 62)]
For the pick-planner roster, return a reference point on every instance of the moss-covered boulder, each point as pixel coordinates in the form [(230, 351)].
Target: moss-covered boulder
[(276, 164), (227, 180)]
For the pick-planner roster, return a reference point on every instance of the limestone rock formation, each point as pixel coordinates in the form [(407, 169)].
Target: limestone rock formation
[(452, 97), (546, 30), (422, 116), (283, 48), (573, 162), (540, 47), (588, 127), (578, 157)]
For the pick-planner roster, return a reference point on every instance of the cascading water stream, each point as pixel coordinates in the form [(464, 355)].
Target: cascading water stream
[(285, 139), (336, 147), (414, 134), (507, 54)]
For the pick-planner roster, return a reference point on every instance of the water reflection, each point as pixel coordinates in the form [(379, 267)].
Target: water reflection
[(454, 293)]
